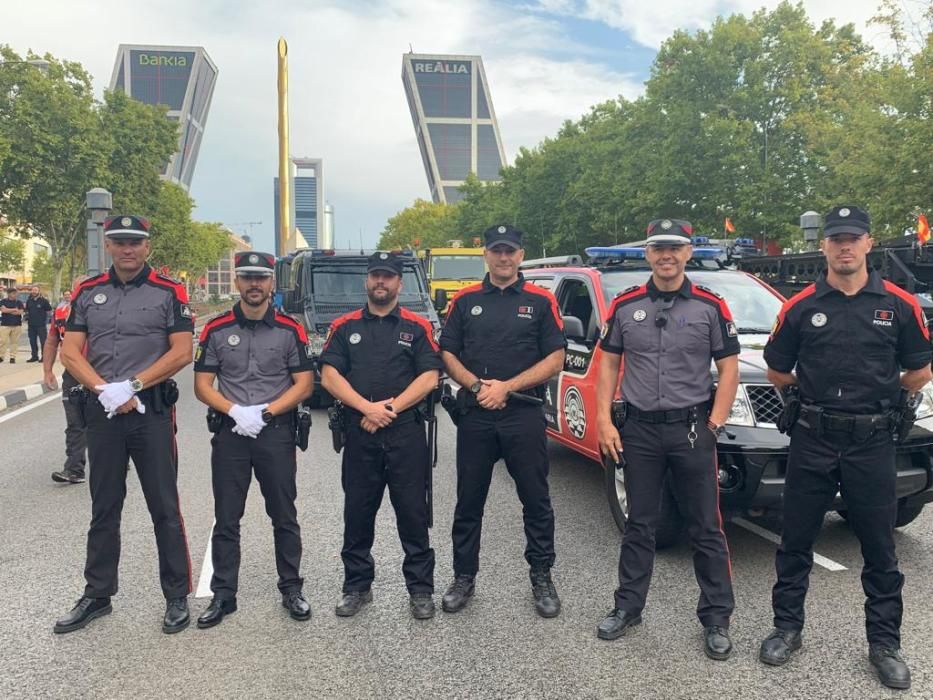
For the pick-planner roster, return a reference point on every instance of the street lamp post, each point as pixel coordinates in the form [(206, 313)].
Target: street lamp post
[(99, 202), (810, 222)]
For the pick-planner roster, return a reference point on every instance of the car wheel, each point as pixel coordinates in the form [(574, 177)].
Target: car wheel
[(670, 522)]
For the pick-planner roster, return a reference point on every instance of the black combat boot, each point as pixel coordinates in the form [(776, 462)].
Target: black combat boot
[(547, 602)]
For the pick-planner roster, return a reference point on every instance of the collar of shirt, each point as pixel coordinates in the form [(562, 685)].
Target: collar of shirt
[(268, 318), (516, 286), (873, 286), (396, 312), (654, 293), (136, 281)]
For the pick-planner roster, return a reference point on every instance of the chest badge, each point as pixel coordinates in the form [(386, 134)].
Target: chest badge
[(233, 340), (476, 310), (355, 338), (100, 298), (640, 315), (819, 320)]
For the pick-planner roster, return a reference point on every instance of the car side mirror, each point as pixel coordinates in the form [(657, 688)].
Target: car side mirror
[(440, 299), (573, 328)]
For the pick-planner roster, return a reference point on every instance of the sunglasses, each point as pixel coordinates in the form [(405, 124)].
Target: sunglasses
[(660, 318)]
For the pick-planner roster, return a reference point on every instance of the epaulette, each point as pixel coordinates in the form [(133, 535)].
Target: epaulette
[(626, 291), (708, 291), (168, 278)]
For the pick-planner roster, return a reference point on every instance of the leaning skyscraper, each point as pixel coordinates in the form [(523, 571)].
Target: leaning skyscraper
[(455, 124), (180, 77)]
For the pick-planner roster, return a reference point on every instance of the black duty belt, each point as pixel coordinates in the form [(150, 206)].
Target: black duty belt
[(287, 418), (676, 415), (845, 422)]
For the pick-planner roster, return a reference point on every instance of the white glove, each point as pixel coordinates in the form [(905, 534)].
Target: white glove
[(114, 395), (140, 407), (248, 419)]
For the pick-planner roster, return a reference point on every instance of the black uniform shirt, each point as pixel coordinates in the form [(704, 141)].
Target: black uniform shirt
[(499, 333), (381, 355), (37, 311), (11, 319), (253, 360), (849, 350), (667, 362), (128, 325)]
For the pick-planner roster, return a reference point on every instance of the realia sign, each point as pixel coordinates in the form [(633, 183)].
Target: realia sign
[(454, 67)]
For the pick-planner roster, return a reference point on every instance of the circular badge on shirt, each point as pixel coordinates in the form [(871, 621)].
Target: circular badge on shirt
[(100, 298), (640, 315), (233, 340), (476, 310), (819, 320), (355, 338)]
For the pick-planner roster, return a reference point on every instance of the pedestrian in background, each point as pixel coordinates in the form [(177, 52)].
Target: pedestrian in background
[(11, 324), (37, 316)]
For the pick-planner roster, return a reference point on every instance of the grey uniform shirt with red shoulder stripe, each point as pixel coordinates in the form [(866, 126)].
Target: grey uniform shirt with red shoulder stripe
[(668, 366), (128, 325), (381, 355), (849, 350), (499, 333), (254, 360)]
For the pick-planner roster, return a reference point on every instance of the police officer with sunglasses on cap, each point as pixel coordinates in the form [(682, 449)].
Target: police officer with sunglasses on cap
[(668, 331)]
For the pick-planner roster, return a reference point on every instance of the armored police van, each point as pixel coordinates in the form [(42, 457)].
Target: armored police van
[(317, 286), (752, 453)]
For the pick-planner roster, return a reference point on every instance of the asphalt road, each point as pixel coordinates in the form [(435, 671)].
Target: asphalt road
[(497, 647)]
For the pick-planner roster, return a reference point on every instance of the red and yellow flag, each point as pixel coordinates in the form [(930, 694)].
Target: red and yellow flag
[(923, 229), (730, 228)]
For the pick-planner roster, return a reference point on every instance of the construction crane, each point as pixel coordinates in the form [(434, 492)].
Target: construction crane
[(247, 223)]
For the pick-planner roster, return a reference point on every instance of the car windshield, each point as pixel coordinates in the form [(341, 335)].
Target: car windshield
[(753, 306), (347, 279), (458, 267)]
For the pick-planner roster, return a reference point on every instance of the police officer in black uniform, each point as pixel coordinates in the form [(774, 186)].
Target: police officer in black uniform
[(262, 363), (381, 361), (502, 337), (137, 327), (842, 440), (669, 330)]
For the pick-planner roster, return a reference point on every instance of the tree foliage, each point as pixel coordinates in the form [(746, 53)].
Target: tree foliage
[(759, 118), (12, 253)]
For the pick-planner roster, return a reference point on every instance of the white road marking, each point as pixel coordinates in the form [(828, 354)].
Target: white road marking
[(19, 411), (207, 571), (825, 562)]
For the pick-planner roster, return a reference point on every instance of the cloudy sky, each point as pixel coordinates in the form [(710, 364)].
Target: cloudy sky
[(546, 61)]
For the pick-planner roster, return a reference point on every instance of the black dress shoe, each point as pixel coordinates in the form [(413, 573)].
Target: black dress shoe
[(892, 669), (717, 644), (85, 610), (458, 593), (66, 476), (547, 602), (176, 615), (33, 359), (421, 605), (778, 646), (296, 605), (616, 624), (216, 611), (351, 602)]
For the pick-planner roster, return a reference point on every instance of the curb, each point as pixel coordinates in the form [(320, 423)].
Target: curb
[(26, 393)]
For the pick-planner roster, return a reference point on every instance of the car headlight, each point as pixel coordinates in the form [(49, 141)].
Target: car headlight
[(316, 341), (741, 412), (925, 407)]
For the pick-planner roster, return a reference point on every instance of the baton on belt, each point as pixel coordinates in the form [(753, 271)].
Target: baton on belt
[(526, 398)]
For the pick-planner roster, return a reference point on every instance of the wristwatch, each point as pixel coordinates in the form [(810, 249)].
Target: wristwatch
[(267, 416), (136, 385), (476, 386)]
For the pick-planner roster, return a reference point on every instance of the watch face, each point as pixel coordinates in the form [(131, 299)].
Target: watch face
[(266, 417), (476, 387)]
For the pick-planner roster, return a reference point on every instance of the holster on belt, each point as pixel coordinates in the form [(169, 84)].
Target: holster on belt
[(619, 412), (215, 420), (791, 411), (78, 395), (904, 415), (302, 427), (450, 404), (162, 396), (337, 422)]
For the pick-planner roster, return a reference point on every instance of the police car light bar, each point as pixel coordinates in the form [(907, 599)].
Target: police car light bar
[(608, 253)]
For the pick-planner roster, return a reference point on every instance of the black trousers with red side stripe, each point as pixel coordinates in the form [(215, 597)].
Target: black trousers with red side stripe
[(149, 439), (651, 450)]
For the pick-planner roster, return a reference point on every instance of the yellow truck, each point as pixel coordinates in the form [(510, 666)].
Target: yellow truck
[(451, 269)]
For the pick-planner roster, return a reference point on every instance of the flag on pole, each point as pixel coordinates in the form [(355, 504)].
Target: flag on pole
[(923, 229), (728, 226)]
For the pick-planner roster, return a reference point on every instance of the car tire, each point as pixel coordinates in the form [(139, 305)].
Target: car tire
[(670, 522), (906, 513)]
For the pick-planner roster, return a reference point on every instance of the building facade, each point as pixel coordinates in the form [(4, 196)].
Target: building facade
[(179, 77), (219, 278), (455, 124), (307, 204)]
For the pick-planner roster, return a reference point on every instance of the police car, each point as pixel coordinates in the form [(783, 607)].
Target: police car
[(752, 453)]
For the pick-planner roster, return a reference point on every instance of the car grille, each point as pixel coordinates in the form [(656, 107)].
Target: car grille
[(766, 403)]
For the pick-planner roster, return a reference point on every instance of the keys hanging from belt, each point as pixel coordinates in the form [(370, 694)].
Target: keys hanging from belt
[(692, 432)]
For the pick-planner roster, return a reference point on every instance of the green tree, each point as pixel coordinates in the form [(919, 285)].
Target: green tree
[(422, 225), (12, 253)]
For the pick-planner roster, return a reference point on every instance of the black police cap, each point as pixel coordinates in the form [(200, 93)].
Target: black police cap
[(253, 263), (385, 262), (846, 218), (669, 232), (126, 227), (504, 234)]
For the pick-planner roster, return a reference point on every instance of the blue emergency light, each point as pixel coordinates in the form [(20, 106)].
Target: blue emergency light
[(608, 253), (745, 241), (700, 240)]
